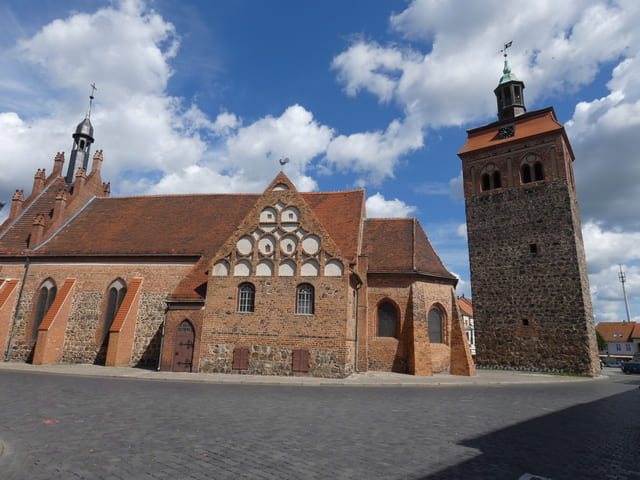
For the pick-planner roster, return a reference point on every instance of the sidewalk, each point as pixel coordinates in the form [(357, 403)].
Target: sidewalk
[(364, 379)]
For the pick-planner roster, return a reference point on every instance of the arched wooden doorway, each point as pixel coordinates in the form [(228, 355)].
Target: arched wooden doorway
[(183, 350)]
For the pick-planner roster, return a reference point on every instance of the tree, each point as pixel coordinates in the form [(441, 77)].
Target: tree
[(602, 344)]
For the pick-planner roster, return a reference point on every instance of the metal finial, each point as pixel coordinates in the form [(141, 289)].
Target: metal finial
[(91, 97), (504, 50), (283, 162)]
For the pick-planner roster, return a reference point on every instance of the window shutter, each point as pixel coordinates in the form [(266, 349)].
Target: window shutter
[(240, 358), (300, 360)]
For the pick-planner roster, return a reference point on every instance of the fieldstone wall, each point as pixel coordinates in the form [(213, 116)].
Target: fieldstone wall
[(528, 272)]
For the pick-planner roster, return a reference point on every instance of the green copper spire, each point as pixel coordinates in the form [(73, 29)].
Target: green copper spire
[(507, 76)]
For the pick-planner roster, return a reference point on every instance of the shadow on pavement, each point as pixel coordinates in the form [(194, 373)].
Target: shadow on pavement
[(597, 440)]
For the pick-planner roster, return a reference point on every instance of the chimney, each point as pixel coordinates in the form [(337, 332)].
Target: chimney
[(106, 188), (37, 231), (17, 202), (58, 209), (57, 164), (38, 182), (96, 166)]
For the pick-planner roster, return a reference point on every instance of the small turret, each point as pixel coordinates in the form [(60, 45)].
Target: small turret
[(17, 202), (38, 182), (58, 162), (509, 92), (82, 140)]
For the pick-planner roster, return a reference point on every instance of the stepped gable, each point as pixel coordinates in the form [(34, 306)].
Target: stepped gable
[(14, 236), (400, 245), (528, 125)]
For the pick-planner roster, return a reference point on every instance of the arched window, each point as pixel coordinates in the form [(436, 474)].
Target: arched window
[(387, 320), (246, 298), (46, 296), (115, 294), (497, 180), (305, 299), (537, 171), (486, 182), (435, 326), (526, 173)]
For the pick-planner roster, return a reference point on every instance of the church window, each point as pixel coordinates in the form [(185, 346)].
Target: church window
[(497, 180), (46, 297), (538, 172), (387, 320), (246, 298), (486, 182), (435, 326), (305, 300), (526, 173), (116, 292)]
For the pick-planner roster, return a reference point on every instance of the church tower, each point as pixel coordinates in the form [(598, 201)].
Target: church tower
[(82, 140), (529, 278)]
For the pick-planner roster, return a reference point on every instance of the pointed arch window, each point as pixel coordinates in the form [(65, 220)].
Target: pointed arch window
[(538, 172), (526, 173), (497, 180), (46, 296), (387, 320), (305, 300), (246, 298), (115, 294), (486, 182), (435, 326)]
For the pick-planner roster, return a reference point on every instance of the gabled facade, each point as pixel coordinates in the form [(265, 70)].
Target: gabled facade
[(277, 283), (466, 308), (623, 339)]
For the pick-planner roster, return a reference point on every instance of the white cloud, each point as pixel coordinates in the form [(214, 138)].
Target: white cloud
[(379, 207)]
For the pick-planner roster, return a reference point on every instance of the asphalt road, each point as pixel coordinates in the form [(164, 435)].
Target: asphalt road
[(70, 427)]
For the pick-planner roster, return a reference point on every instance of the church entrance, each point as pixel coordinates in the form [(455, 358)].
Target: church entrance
[(183, 351)]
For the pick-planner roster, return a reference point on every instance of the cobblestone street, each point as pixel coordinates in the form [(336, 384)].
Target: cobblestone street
[(65, 427)]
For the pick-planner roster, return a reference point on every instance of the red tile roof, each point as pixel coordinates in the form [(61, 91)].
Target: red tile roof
[(616, 331), (526, 126), (466, 305), (399, 245), (636, 331)]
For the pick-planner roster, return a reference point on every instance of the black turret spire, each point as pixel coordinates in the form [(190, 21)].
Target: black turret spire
[(82, 140), (509, 92)]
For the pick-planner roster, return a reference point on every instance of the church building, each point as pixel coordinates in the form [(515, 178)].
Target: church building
[(529, 281), (278, 283)]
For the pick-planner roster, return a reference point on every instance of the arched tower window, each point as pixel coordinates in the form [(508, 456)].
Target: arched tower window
[(387, 320), (486, 182), (246, 298), (46, 296), (305, 300), (115, 294), (435, 326), (525, 173), (497, 180), (538, 172)]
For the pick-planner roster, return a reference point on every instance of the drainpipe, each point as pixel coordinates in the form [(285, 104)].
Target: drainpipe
[(7, 354), (358, 286), (164, 324)]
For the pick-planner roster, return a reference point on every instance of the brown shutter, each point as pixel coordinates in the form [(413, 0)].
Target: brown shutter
[(300, 360), (240, 358)]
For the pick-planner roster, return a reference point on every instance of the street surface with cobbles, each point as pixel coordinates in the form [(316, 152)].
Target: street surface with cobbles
[(76, 427)]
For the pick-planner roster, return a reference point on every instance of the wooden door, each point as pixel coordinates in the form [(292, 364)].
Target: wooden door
[(183, 351)]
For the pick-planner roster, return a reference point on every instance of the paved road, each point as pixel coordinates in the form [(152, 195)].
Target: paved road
[(66, 427)]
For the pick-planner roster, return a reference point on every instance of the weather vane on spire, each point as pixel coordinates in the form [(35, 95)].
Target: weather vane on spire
[(283, 162), (504, 50), (91, 97)]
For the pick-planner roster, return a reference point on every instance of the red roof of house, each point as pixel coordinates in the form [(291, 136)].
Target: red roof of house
[(636, 331), (466, 305), (399, 245), (616, 331), (526, 126)]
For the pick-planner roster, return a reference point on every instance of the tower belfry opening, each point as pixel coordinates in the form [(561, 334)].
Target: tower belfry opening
[(509, 92), (82, 140)]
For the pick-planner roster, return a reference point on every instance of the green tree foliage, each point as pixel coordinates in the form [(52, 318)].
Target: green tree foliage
[(602, 344)]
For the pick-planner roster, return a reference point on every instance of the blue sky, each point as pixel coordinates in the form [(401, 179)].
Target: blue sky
[(205, 96)]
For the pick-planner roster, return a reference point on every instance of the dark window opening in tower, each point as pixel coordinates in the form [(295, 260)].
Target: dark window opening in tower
[(486, 182), (517, 93), (81, 145), (537, 170), (526, 173), (507, 99), (533, 249), (525, 322), (497, 180), (500, 100)]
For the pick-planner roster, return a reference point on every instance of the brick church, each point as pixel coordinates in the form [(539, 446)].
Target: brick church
[(278, 283)]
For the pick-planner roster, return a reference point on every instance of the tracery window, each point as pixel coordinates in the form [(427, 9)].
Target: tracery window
[(115, 294), (246, 298), (387, 320), (46, 296), (305, 299), (435, 326)]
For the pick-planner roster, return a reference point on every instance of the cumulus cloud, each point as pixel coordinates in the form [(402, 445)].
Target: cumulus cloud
[(379, 207)]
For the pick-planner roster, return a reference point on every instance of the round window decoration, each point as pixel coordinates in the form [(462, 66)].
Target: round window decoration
[(288, 245), (245, 245), (311, 245), (267, 245)]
